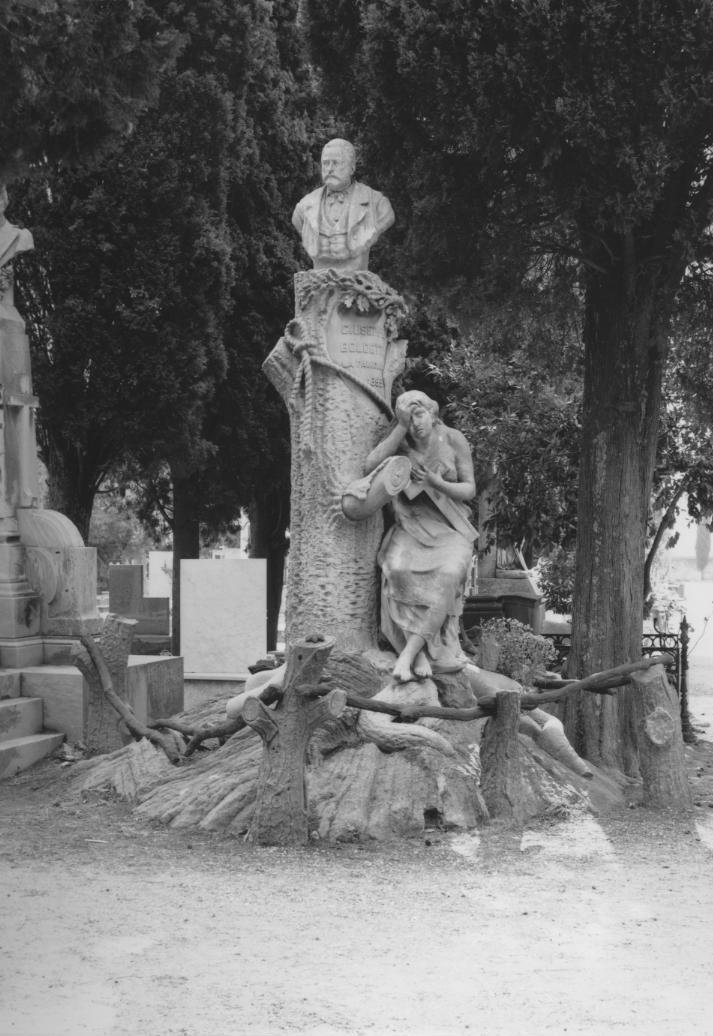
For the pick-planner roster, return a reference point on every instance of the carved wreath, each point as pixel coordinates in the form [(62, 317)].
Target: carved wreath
[(359, 290)]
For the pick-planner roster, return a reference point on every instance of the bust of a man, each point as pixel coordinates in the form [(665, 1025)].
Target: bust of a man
[(12, 240), (341, 220)]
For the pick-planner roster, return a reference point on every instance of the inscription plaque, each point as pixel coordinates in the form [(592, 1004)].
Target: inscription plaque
[(357, 342)]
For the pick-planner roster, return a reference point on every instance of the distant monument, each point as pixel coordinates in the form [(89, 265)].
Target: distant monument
[(47, 575)]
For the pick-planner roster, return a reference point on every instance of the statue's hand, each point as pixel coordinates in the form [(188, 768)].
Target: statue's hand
[(403, 416), (420, 473)]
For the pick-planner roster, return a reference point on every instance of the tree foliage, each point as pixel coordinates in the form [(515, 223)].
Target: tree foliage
[(162, 279), (74, 76), (129, 295), (509, 130), (524, 430)]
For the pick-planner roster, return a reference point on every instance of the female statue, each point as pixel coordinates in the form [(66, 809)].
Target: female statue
[(425, 555)]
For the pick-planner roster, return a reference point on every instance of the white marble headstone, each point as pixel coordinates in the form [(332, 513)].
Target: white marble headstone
[(223, 616)]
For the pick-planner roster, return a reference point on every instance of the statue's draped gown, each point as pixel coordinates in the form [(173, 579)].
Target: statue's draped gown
[(424, 563)]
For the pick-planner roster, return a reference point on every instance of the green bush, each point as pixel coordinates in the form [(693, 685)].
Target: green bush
[(521, 652)]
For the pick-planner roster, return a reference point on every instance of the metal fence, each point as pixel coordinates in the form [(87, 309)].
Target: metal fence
[(651, 644)]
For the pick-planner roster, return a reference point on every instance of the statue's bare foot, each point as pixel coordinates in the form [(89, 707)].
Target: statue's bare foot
[(402, 670), (421, 666)]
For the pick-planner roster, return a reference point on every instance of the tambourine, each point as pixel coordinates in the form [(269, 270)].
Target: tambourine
[(368, 495)]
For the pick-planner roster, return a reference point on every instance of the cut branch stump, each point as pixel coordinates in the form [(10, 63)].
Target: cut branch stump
[(110, 721), (658, 728), (501, 779), (104, 726), (280, 816)]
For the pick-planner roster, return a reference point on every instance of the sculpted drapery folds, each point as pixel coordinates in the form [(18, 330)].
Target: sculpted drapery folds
[(425, 555)]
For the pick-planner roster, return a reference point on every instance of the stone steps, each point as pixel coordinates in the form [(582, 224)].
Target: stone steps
[(20, 717), (23, 741), (54, 697), (19, 753)]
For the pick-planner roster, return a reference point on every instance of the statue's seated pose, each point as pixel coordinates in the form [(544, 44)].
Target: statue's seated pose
[(424, 557)]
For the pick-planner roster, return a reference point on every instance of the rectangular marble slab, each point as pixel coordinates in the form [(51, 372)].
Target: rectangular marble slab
[(223, 615)]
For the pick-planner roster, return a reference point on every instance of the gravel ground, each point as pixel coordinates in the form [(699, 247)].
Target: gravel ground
[(581, 925), (111, 927)]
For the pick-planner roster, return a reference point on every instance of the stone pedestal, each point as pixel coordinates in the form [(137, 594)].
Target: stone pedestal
[(223, 617), (61, 570), (334, 368)]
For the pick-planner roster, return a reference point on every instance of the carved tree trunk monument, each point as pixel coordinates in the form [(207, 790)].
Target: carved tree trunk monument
[(355, 742), (334, 369)]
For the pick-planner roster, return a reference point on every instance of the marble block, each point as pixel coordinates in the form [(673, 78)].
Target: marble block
[(157, 575), (126, 589), (126, 597), (223, 615)]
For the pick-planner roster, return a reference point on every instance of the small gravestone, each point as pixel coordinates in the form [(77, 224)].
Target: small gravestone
[(151, 614), (223, 616)]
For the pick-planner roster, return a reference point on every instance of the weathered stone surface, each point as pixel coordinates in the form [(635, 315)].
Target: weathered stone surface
[(64, 692), (223, 615), (154, 686), (66, 579), (336, 417), (126, 597), (62, 570), (426, 554), (103, 728)]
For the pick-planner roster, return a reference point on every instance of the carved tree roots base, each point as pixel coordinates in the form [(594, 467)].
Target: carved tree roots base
[(355, 791)]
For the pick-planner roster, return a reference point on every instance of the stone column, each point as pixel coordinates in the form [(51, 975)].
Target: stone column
[(20, 606)]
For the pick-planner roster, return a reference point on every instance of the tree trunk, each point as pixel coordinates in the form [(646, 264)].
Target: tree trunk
[(622, 393), (334, 368), (658, 729), (269, 519), (186, 544)]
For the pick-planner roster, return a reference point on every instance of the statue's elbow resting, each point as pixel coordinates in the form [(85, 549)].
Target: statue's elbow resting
[(355, 509)]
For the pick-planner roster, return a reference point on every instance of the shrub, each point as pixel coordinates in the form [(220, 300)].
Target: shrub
[(520, 652), (556, 580)]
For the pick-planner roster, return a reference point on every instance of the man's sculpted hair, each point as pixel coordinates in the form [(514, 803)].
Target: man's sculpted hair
[(344, 145)]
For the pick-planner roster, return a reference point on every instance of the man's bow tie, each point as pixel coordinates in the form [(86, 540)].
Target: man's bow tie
[(339, 196)]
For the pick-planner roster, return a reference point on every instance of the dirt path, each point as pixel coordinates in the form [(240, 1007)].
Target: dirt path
[(111, 927)]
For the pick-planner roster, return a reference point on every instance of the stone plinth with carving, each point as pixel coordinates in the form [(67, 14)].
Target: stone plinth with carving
[(334, 367)]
